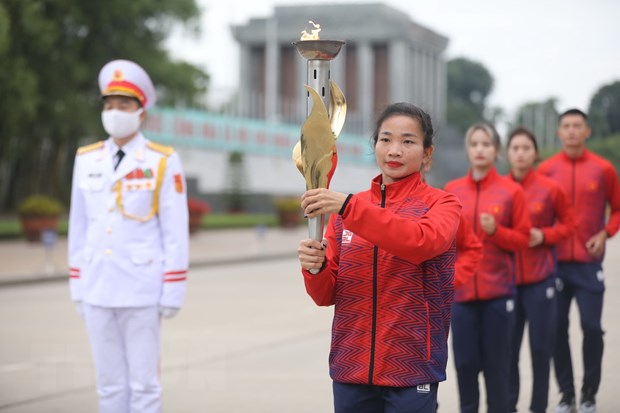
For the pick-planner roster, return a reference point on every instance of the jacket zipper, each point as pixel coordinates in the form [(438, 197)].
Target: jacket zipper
[(374, 301), (572, 244), (476, 232), (428, 331)]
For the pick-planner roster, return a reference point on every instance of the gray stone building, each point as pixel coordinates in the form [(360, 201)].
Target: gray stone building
[(387, 58)]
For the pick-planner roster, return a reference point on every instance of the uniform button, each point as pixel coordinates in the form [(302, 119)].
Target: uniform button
[(108, 252), (108, 230)]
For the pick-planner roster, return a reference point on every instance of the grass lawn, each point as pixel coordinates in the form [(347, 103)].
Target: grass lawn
[(220, 221)]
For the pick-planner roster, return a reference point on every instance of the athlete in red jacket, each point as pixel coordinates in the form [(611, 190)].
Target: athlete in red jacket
[(388, 266), (468, 254), (591, 184), (552, 220), (483, 317)]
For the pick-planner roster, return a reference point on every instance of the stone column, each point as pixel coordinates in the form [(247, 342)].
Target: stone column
[(272, 70), (365, 66), (301, 67), (442, 81), (434, 67), (337, 68), (423, 79), (432, 84), (245, 79), (399, 72), (419, 76)]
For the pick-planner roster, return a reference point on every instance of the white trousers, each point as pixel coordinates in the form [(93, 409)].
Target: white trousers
[(125, 346)]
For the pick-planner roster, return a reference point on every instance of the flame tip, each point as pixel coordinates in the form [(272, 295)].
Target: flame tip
[(314, 33)]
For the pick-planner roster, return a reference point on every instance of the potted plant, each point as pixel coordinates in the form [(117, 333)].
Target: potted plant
[(38, 213), (197, 208), (289, 211)]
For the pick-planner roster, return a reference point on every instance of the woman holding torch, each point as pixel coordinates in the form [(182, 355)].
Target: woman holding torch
[(387, 264)]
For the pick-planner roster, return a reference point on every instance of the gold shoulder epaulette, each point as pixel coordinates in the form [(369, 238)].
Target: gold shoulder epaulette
[(158, 147), (89, 148)]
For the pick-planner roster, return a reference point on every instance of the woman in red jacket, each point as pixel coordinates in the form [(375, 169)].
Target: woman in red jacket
[(483, 313), (552, 220), (387, 264)]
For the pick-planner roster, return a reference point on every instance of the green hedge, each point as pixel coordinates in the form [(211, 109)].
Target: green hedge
[(608, 148), (222, 221), (10, 226)]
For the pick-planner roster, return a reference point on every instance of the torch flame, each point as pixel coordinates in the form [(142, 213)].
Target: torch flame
[(314, 33)]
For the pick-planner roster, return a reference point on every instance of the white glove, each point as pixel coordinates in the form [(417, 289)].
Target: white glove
[(79, 308), (168, 312)]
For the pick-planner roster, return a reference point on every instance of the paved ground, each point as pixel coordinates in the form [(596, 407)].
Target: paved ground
[(24, 262), (248, 339)]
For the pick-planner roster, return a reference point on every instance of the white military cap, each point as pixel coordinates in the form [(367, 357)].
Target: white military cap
[(126, 78)]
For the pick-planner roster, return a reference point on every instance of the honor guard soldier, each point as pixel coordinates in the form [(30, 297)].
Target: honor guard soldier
[(128, 243)]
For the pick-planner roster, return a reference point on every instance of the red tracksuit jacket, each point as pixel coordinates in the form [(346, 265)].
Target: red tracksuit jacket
[(550, 211), (591, 183), (505, 200), (468, 253), (390, 273)]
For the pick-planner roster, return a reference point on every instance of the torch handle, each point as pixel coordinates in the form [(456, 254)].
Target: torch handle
[(315, 231)]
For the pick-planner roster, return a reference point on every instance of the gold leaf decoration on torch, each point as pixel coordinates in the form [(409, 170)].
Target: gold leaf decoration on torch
[(337, 108), (297, 157), (318, 144), (337, 115)]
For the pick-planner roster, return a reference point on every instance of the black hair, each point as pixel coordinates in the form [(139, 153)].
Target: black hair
[(412, 111), (574, 111), (523, 131)]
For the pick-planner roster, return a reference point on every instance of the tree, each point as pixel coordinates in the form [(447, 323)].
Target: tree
[(604, 110), (469, 84), (51, 52), (541, 118)]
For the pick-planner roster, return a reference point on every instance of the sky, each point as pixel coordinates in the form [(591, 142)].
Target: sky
[(534, 49)]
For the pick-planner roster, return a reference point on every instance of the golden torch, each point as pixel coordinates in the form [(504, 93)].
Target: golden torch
[(315, 154)]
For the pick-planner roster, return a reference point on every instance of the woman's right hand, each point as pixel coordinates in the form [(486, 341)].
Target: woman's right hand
[(311, 254)]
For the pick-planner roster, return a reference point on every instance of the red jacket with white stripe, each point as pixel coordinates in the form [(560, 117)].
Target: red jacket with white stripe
[(505, 200), (389, 271), (551, 212), (591, 184)]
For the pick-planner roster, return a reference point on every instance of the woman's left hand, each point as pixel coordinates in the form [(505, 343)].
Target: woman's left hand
[(537, 237), (321, 201), (596, 244), (487, 222)]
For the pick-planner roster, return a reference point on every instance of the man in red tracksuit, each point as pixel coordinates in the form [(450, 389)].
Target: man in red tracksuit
[(591, 184)]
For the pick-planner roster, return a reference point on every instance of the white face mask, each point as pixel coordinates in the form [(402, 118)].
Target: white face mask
[(121, 124)]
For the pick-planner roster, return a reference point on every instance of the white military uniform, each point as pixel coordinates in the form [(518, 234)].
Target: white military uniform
[(128, 258), (128, 238)]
